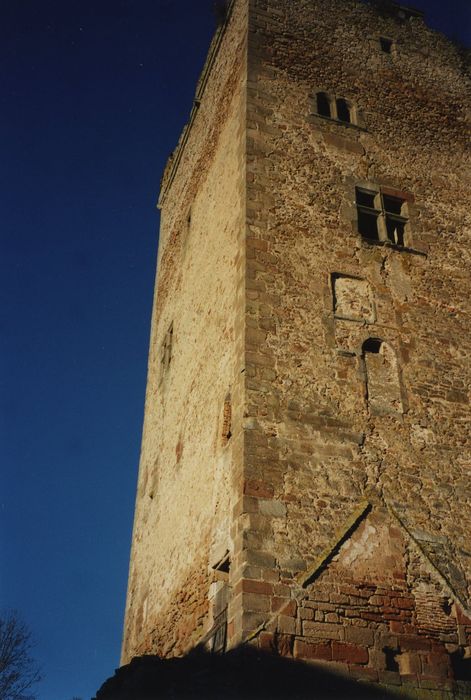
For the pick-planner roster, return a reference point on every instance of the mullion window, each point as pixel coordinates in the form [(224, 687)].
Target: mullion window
[(381, 216)]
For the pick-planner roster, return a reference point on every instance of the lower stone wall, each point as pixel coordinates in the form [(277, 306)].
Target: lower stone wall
[(179, 627), (376, 610)]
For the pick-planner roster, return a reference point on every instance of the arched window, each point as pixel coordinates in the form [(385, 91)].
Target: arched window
[(343, 111), (383, 389), (323, 104)]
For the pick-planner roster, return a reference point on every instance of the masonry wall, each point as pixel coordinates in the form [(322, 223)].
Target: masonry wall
[(326, 422), (188, 469)]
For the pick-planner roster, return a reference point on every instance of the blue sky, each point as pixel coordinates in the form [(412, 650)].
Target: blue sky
[(94, 96)]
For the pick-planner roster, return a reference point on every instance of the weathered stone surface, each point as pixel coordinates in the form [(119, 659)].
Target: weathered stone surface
[(298, 367)]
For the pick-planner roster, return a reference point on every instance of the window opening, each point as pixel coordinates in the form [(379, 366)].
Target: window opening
[(386, 44), (343, 111), (381, 217), (391, 659), (372, 345), (224, 565), (323, 105)]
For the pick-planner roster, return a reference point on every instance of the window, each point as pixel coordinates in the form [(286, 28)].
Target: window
[(323, 105), (386, 44), (337, 108), (382, 217), (343, 111)]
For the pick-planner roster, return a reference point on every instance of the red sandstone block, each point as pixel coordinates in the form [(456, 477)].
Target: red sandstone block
[(258, 489), (323, 630), (359, 635), (250, 586), (365, 673), (396, 627), (286, 624), (270, 575), (255, 602), (390, 677), (282, 591), (308, 650), (436, 665), (266, 641), (403, 603), (415, 643), (373, 617), (338, 598), (349, 653)]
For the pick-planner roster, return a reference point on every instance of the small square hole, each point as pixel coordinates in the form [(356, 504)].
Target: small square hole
[(386, 44)]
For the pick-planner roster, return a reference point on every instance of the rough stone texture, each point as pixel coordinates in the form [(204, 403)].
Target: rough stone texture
[(346, 360), (190, 478)]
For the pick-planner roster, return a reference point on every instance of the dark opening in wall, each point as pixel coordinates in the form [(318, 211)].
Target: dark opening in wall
[(365, 198), (461, 666), (368, 224), (323, 105), (395, 229), (343, 111), (386, 44), (390, 658), (224, 565), (227, 421), (382, 217), (372, 345)]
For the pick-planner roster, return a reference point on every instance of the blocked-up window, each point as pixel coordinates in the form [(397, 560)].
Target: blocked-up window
[(227, 421), (353, 298), (383, 389), (382, 216)]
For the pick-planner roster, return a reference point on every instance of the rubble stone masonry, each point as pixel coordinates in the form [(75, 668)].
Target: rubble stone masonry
[(305, 459)]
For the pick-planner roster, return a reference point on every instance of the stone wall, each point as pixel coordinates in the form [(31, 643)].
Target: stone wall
[(356, 371), (187, 483), (310, 349)]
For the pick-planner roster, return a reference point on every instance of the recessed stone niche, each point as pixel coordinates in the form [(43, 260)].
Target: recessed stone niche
[(353, 299)]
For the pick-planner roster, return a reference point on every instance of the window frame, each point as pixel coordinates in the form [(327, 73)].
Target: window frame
[(355, 119), (384, 215)]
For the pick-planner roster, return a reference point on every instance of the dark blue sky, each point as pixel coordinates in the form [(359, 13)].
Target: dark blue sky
[(93, 96)]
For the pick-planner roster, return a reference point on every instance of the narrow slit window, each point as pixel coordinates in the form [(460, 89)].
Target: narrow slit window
[(343, 111), (227, 421), (323, 104)]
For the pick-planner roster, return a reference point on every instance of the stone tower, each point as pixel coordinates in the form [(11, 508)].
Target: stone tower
[(305, 472)]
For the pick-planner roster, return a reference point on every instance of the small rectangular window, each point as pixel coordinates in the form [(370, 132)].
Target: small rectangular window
[(386, 44)]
